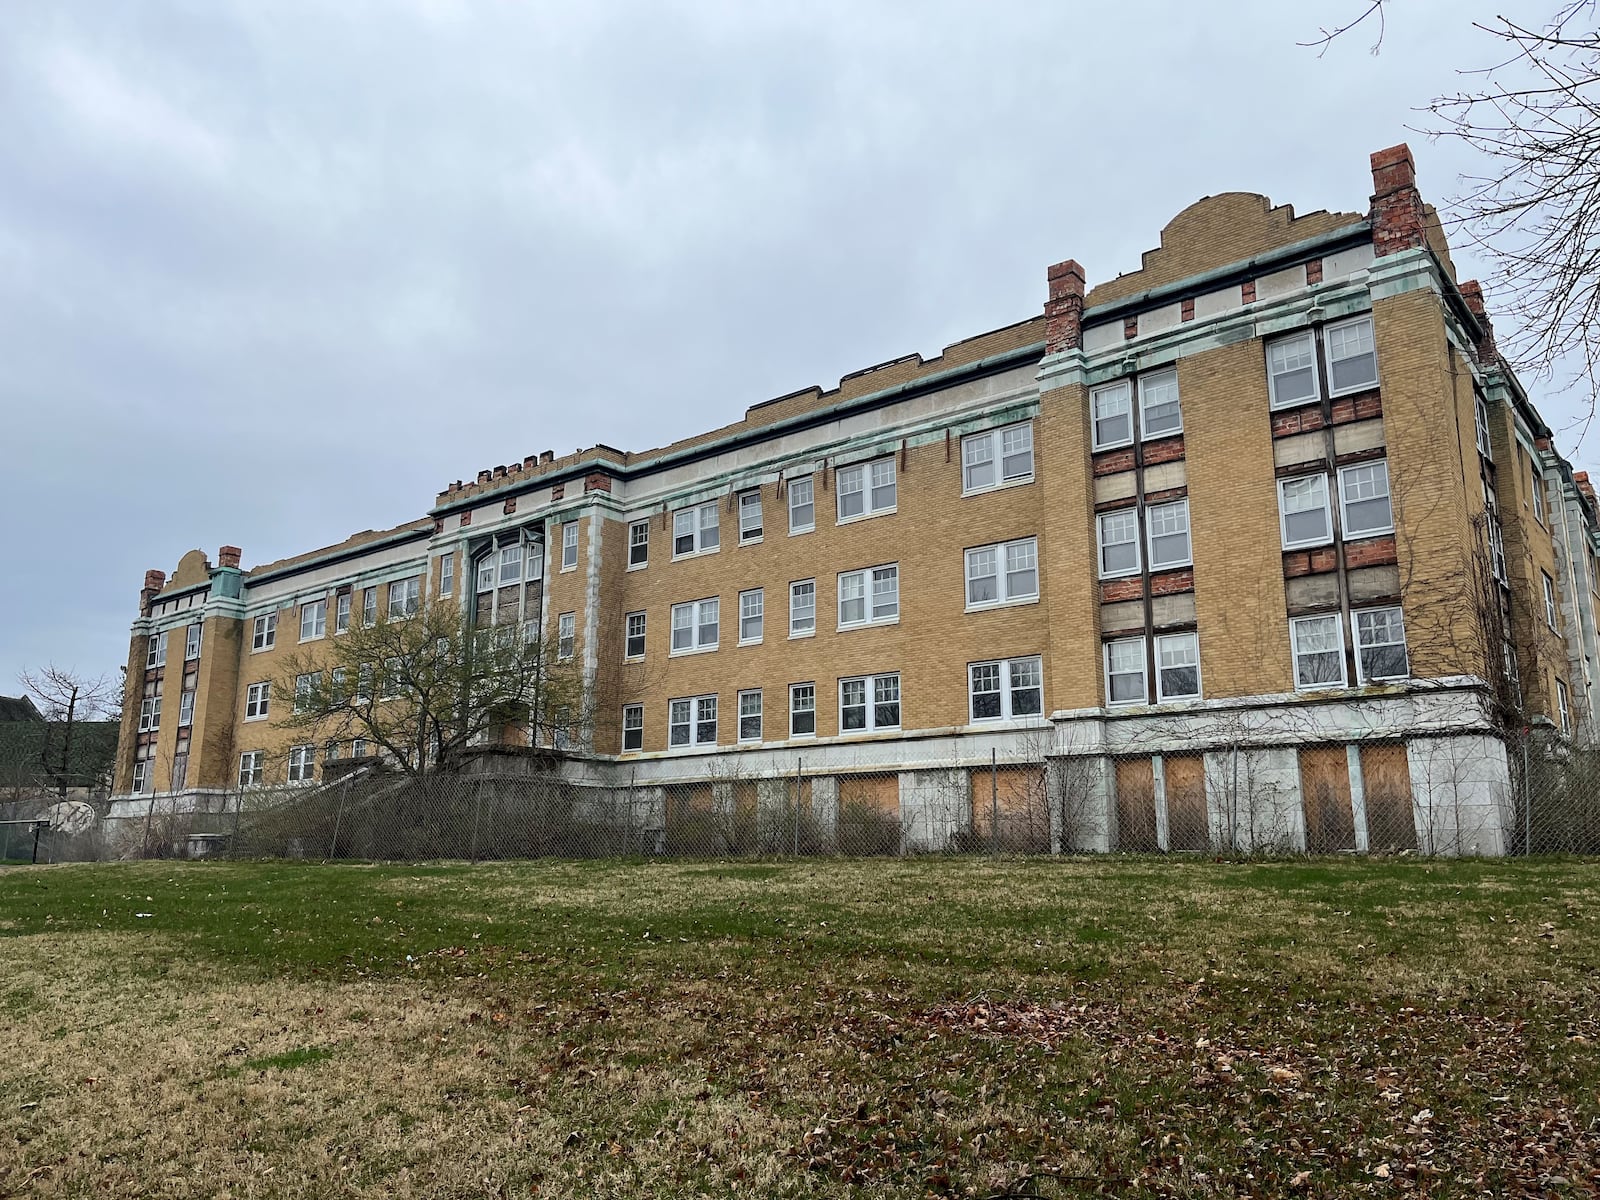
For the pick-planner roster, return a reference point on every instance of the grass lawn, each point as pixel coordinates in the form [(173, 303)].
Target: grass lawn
[(905, 1028)]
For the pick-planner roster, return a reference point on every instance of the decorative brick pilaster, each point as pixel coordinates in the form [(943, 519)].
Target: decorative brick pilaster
[(1063, 311), (1472, 293), (597, 481), (1314, 271), (1398, 221), (1247, 292)]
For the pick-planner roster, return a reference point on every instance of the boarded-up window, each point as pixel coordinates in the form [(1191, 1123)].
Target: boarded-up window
[(1188, 827), (691, 819), (1325, 795), (869, 814), (1386, 786), (1136, 805), (1017, 794)]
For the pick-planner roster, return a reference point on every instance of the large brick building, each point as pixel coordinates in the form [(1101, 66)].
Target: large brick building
[(1266, 511)]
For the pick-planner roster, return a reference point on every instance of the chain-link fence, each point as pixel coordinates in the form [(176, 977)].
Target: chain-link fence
[(1448, 796)]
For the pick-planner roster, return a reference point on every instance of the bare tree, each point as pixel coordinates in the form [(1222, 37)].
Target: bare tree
[(66, 699)]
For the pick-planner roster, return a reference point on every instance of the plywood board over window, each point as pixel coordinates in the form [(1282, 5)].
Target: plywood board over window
[(1188, 826), (1136, 805), (869, 813), (1017, 795), (1386, 787), (1325, 794)]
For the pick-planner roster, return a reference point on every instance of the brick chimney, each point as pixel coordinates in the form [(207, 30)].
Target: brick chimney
[(1063, 311), (1472, 293), (1397, 215), (228, 556), (153, 582)]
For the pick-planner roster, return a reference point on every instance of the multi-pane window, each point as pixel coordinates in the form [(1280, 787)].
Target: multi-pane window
[(633, 727), (869, 702), (1159, 414), (1563, 706), (141, 775), (1303, 511), (694, 625), (186, 707), (997, 456), (156, 651), (802, 709), (866, 488), (510, 565), (265, 632), (692, 721), (363, 692), (1292, 370), (635, 635), (750, 516), (752, 616), (1119, 543), (1168, 528), (1380, 644), (369, 606), (802, 505), (1111, 409), (1352, 356), (1536, 490), (341, 613), (150, 707), (302, 763), (869, 597), (191, 642), (1480, 424), (1177, 666), (695, 530), (305, 690), (1125, 672), (250, 767), (393, 670), (1549, 599), (1009, 688), (447, 573), (1318, 647), (257, 701), (639, 544), (566, 635), (404, 597), (750, 715), (336, 685), (1364, 495), (358, 748), (313, 620), (1497, 548), (569, 546), (802, 607), (1007, 573)]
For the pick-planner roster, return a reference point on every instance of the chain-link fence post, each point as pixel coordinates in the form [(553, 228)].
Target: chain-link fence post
[(238, 815), (994, 802), (1527, 801), (338, 818), (477, 815), (799, 790)]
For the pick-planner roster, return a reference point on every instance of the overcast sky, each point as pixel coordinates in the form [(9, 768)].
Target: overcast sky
[(272, 273)]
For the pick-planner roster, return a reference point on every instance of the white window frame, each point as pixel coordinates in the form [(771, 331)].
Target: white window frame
[(1536, 482), (250, 768), (304, 685), (705, 521), (405, 597), (191, 641), (808, 630), (1327, 350), (1005, 555), (1150, 517), (696, 610), (264, 633), (989, 449), (865, 479), (141, 775), (1297, 627), (369, 606), (1147, 381), (1283, 513), (871, 702), (696, 718), (1006, 669), (258, 701), (341, 613), (1101, 544), (638, 561), (1161, 692), (1355, 630), (807, 484), (1308, 337), (752, 607), (1144, 671), (628, 636), (869, 578), (1563, 706), (314, 620), (186, 707), (802, 692), (1549, 586), (447, 573), (632, 723), (1345, 501), (569, 546), (746, 713), (302, 763), (1119, 394), (150, 713), (566, 636), (750, 534), (1480, 426)]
